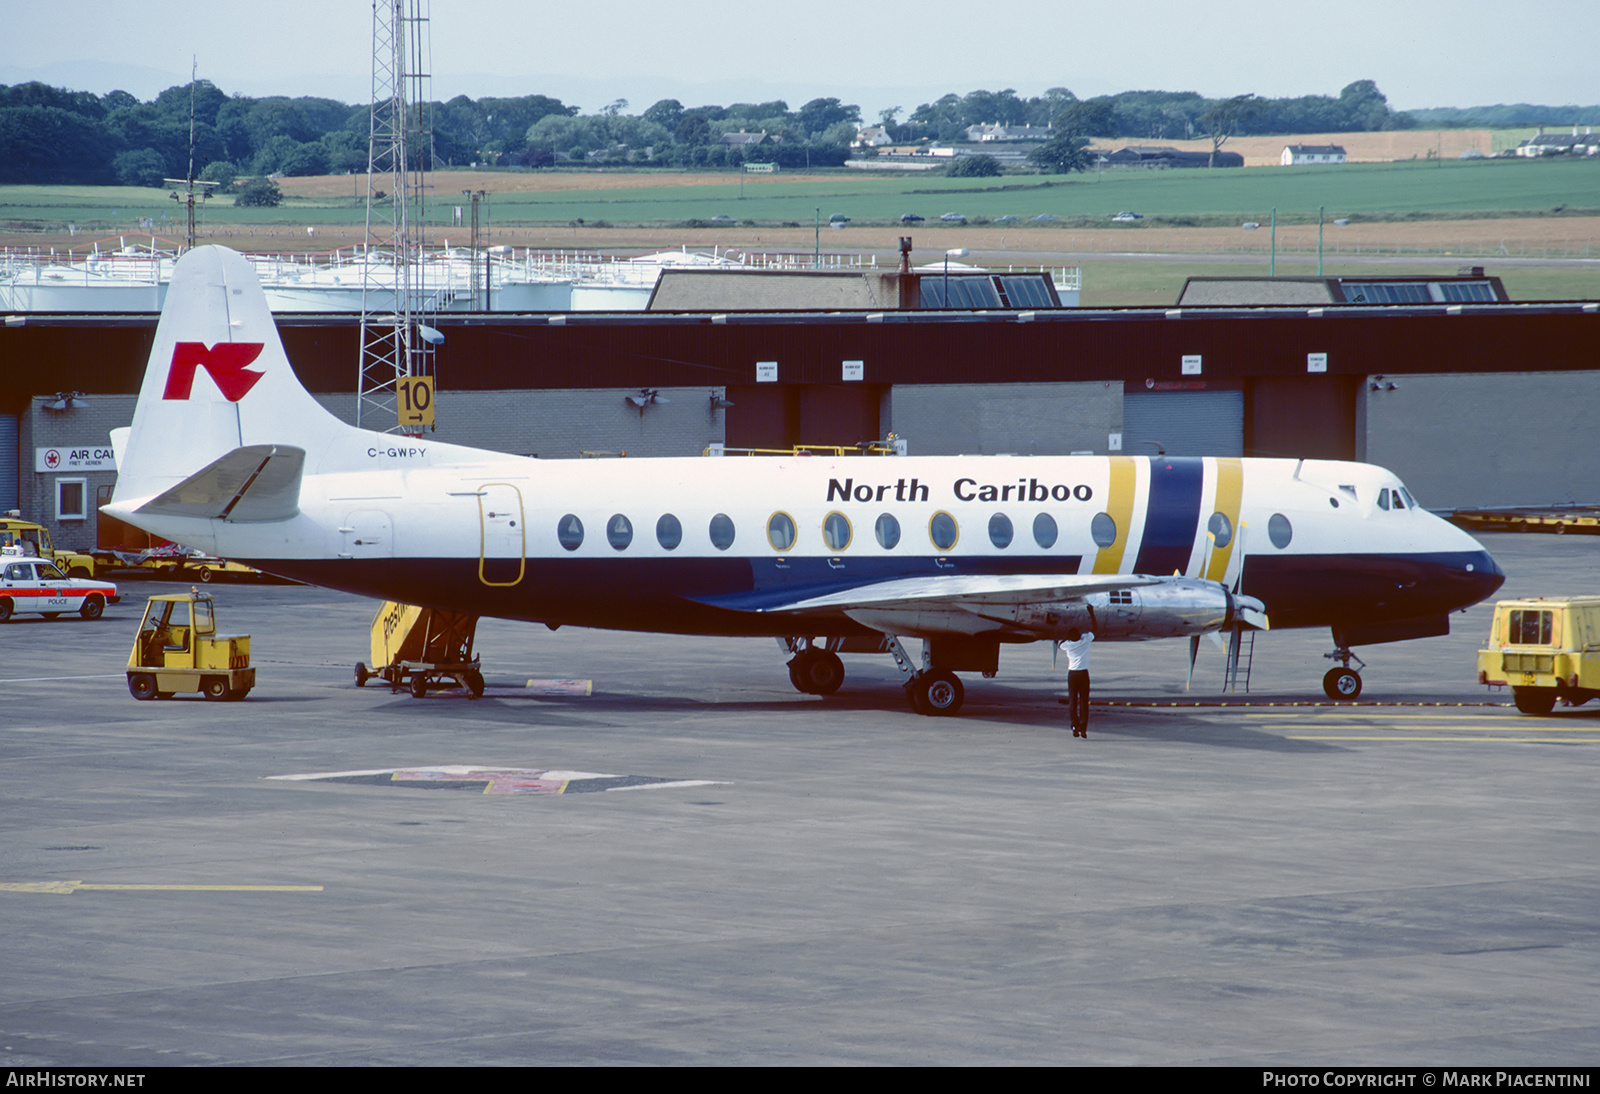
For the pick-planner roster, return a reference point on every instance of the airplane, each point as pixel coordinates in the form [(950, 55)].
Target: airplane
[(230, 455)]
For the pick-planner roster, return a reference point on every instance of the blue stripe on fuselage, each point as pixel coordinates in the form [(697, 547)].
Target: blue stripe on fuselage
[(1170, 516)]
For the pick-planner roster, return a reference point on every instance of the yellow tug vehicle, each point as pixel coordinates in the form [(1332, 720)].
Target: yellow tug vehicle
[(178, 649), (1545, 649)]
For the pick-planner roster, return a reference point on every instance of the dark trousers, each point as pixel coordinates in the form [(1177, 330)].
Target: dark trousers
[(1078, 698)]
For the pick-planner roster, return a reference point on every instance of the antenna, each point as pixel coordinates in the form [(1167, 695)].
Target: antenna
[(189, 183), (395, 302)]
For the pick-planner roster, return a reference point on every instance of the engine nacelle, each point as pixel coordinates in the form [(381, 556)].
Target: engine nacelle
[(1166, 609)]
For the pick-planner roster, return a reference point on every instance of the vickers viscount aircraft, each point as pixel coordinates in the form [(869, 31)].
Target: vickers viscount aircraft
[(229, 454)]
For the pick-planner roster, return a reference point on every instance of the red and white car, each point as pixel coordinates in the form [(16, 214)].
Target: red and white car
[(30, 584)]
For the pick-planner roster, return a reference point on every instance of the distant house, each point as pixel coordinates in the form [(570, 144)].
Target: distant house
[(1295, 154), (984, 134), (742, 139), (873, 136), (1560, 144), (1161, 156)]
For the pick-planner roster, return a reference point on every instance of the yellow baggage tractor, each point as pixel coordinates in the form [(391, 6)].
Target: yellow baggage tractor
[(425, 648), (178, 649), (1546, 648)]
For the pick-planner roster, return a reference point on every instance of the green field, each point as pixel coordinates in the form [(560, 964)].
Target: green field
[(1376, 191), (1396, 191)]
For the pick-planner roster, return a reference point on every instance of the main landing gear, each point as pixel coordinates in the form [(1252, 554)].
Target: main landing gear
[(1343, 682), (816, 670)]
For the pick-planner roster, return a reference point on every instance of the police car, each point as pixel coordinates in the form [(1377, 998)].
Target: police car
[(32, 584)]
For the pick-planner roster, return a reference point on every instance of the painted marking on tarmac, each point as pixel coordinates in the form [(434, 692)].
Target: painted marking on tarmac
[(1421, 728), (498, 780), (81, 886)]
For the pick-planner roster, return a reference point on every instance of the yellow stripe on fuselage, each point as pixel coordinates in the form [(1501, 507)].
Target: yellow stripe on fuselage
[(1119, 506), (1230, 492)]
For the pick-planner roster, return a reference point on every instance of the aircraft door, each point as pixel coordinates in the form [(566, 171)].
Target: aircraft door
[(368, 533), (1121, 611), (503, 540)]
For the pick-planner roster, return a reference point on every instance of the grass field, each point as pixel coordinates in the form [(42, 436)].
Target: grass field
[(1483, 212)]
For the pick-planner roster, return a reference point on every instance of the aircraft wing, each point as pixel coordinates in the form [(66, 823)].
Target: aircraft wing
[(959, 591), (1023, 606)]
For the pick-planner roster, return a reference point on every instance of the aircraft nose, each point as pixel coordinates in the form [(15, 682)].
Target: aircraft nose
[(1486, 573)]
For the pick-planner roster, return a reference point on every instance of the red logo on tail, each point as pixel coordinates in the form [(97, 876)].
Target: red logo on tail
[(225, 362)]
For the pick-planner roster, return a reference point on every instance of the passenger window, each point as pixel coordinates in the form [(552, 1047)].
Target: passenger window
[(1103, 529), (1221, 529), (1279, 531), (1044, 530), (943, 530), (836, 531), (888, 532), (569, 532), (721, 531), (1000, 531), (780, 531), (669, 533), (619, 532)]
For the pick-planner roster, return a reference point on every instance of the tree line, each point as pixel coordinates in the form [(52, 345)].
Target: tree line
[(53, 135)]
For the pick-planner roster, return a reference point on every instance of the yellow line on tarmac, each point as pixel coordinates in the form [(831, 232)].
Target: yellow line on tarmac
[(1542, 740), (1477, 726), (76, 886)]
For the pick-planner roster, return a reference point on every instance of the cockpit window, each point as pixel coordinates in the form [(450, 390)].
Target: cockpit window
[(1383, 499), (1398, 504)]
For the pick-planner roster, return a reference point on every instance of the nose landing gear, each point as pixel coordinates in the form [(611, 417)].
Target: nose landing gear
[(1343, 682)]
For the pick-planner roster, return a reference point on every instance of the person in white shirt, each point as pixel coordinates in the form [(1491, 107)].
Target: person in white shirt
[(1076, 647)]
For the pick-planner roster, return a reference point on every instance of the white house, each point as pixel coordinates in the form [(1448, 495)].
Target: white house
[(1294, 154)]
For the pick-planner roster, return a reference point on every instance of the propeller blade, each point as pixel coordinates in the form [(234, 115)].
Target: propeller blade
[(1194, 652)]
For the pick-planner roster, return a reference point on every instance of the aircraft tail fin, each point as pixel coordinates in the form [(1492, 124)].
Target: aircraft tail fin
[(218, 392)]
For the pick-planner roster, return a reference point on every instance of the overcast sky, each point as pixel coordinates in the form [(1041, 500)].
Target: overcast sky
[(875, 53)]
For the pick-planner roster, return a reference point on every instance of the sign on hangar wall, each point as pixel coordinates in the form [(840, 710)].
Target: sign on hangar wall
[(83, 457)]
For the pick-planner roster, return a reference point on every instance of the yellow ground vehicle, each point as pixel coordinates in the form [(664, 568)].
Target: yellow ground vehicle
[(14, 530), (1546, 648), (178, 649)]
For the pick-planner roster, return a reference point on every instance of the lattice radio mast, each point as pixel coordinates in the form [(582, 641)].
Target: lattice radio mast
[(397, 336)]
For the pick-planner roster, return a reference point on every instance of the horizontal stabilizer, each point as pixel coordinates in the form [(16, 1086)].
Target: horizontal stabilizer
[(256, 484)]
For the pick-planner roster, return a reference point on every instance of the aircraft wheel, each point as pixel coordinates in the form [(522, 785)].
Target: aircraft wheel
[(817, 672), (474, 681), (216, 688), (419, 685), (938, 693), (142, 686), (362, 674), (1342, 684), (93, 608), (1534, 700)]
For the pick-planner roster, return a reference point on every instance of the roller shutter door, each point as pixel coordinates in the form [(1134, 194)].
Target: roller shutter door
[(1183, 423), (10, 464)]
